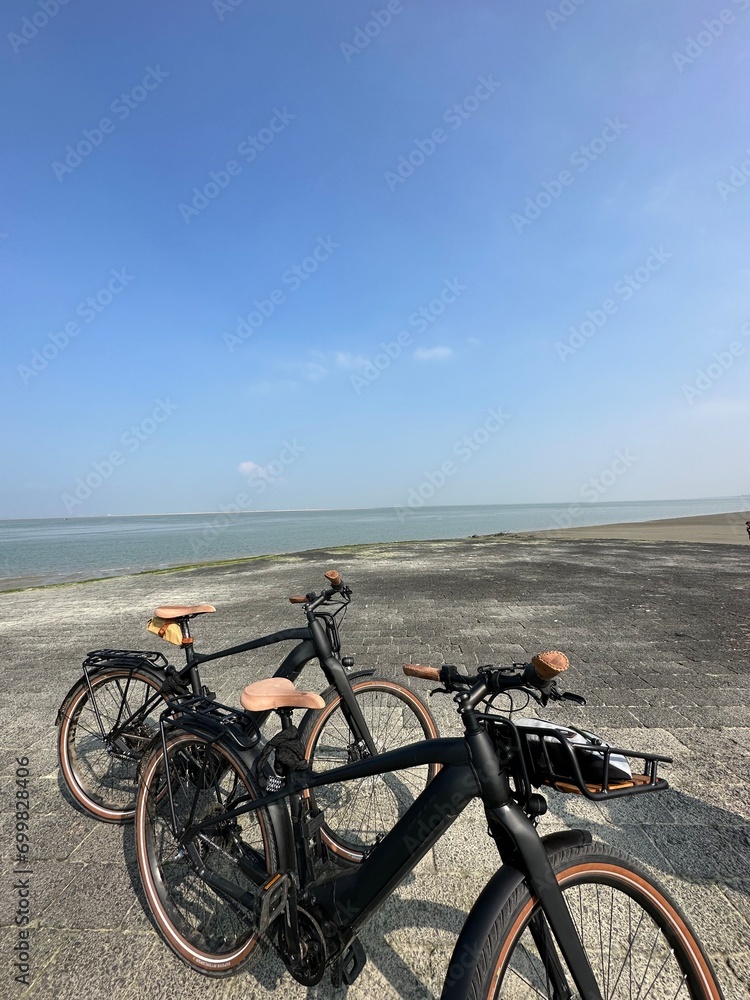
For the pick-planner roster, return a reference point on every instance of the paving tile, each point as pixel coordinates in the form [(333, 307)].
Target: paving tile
[(652, 635)]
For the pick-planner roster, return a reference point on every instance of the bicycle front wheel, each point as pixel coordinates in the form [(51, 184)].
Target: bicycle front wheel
[(207, 919), (104, 731), (638, 942), (358, 812)]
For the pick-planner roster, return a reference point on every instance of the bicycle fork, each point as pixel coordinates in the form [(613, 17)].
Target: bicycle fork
[(520, 845)]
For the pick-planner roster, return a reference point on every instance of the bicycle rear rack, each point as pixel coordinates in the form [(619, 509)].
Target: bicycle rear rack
[(124, 657), (211, 720)]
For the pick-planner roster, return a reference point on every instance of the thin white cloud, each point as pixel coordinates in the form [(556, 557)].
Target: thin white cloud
[(314, 372), (250, 469), (433, 354), (268, 386), (350, 361)]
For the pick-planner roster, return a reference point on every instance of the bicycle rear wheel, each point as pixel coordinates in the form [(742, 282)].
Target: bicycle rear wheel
[(207, 927), (358, 812), (104, 731), (637, 940)]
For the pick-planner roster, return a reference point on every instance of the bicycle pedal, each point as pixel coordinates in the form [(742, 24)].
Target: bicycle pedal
[(349, 965), (271, 900)]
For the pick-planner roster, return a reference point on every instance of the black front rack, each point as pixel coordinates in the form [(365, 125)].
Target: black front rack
[(546, 757), (212, 721)]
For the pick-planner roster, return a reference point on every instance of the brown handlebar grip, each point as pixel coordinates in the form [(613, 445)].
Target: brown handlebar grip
[(334, 578), (298, 600), (418, 670), (548, 665)]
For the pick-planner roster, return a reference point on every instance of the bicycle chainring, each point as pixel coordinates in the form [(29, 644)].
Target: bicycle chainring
[(311, 969)]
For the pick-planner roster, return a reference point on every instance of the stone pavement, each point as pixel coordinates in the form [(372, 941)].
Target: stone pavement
[(658, 637)]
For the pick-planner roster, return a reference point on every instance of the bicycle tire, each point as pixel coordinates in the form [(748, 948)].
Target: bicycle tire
[(100, 776), (212, 933), (353, 824), (672, 961)]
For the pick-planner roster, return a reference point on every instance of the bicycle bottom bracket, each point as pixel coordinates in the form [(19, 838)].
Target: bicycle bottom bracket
[(312, 965)]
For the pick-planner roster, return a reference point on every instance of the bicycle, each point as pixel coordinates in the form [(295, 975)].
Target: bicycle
[(231, 860), (109, 718)]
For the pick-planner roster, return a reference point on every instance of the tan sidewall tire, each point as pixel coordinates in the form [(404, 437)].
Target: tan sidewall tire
[(328, 837), (67, 770), (623, 878), (209, 965)]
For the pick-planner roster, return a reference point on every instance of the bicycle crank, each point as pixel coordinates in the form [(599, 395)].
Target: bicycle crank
[(310, 966)]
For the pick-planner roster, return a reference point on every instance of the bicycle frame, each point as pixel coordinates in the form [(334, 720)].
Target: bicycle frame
[(312, 643), (470, 769)]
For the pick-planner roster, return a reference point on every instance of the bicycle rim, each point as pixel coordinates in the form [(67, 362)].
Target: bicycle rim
[(212, 932), (99, 770), (639, 945), (358, 812)]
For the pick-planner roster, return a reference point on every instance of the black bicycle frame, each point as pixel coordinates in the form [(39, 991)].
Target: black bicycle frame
[(313, 643), (470, 769)]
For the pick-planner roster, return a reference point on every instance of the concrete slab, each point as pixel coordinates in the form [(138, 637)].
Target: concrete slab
[(655, 633)]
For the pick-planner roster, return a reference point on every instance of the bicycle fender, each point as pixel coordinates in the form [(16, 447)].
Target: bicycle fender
[(278, 812), (157, 675), (485, 911), (355, 675)]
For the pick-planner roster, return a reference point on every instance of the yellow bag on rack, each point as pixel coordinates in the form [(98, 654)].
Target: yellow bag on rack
[(166, 628)]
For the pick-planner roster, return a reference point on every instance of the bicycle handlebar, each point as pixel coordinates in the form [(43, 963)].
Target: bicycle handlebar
[(417, 670), (549, 665), (541, 673), (314, 600)]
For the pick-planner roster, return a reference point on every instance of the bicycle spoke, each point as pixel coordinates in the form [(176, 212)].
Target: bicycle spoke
[(358, 812), (205, 786)]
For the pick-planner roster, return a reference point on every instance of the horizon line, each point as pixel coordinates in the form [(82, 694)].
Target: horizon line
[(322, 510)]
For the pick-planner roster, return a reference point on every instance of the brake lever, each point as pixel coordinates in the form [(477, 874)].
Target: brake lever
[(577, 698), (556, 695), (439, 691)]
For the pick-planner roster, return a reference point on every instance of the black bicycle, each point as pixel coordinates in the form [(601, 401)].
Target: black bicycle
[(110, 716), (231, 859)]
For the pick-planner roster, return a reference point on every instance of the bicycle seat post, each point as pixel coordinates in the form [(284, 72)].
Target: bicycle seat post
[(187, 645), (285, 714)]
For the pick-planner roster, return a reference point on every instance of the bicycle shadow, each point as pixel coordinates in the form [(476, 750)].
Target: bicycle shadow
[(397, 915), (676, 834), (673, 832)]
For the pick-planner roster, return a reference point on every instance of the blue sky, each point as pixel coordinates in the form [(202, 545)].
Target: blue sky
[(541, 210)]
